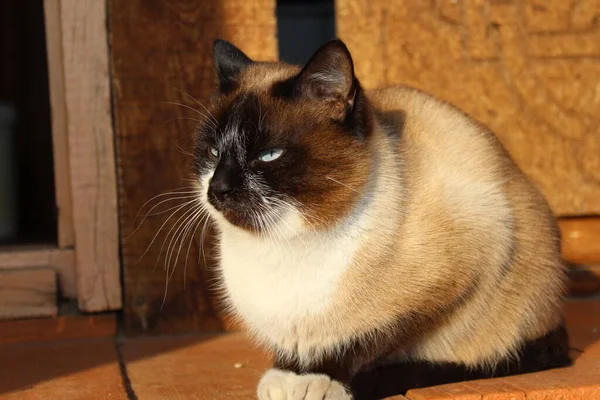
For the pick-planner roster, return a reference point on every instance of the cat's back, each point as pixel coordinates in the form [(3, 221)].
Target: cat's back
[(438, 131), (451, 165), (476, 213)]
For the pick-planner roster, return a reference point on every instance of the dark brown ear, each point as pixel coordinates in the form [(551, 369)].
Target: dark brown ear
[(329, 77), (230, 62)]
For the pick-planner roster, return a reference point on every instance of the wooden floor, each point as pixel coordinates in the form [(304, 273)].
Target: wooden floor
[(228, 367)]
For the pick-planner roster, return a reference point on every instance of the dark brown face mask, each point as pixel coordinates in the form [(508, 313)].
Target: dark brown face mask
[(313, 118)]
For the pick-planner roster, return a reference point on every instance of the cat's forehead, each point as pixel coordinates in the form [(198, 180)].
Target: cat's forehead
[(240, 119), (261, 76), (252, 113)]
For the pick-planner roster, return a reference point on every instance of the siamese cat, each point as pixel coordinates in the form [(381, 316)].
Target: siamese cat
[(363, 228)]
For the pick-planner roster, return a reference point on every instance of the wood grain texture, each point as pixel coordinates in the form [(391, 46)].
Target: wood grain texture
[(62, 180), (161, 50), (580, 239), (58, 328), (61, 260), (527, 69), (27, 293), (91, 153), (66, 370), (200, 367), (192, 367)]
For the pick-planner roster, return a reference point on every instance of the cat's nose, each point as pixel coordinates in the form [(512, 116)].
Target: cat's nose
[(227, 177), (220, 188)]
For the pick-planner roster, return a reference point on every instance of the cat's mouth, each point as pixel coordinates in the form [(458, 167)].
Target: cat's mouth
[(237, 213)]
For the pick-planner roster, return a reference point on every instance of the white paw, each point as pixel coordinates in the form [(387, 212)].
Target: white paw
[(282, 385)]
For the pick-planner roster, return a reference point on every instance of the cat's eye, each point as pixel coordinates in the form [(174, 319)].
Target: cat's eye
[(214, 151), (270, 155)]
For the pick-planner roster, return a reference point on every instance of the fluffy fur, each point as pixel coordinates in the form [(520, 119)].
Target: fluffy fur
[(393, 227)]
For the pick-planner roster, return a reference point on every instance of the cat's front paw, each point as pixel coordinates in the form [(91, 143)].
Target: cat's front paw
[(282, 385)]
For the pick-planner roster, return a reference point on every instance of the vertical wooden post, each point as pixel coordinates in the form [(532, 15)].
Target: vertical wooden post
[(161, 50), (60, 140), (91, 160)]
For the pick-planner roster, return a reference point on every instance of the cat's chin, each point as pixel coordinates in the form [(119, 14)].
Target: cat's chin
[(240, 221)]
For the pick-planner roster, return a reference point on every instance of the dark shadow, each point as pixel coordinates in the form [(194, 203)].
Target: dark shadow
[(27, 203), (551, 351), (302, 27)]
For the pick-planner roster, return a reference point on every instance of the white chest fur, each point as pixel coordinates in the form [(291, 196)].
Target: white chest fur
[(275, 286)]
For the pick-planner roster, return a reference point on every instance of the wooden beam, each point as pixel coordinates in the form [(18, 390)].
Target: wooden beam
[(62, 181), (27, 293), (580, 240), (58, 328), (61, 260), (155, 60), (91, 153), (584, 280)]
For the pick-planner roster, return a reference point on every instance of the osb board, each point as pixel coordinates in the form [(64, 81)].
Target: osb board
[(527, 69), (159, 51)]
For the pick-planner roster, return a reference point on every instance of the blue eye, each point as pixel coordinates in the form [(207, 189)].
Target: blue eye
[(214, 151), (270, 155)]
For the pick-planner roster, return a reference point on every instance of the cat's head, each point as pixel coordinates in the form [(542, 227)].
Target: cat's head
[(284, 149)]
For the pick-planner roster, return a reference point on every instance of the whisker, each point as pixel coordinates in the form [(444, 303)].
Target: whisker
[(187, 254), (161, 212), (208, 120), (166, 291), (198, 102), (189, 223), (159, 230), (297, 206), (169, 209), (206, 224), (282, 219), (341, 183), (168, 258), (176, 226), (183, 118), (174, 191)]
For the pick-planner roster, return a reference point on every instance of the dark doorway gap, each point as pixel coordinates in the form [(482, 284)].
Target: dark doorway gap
[(302, 27)]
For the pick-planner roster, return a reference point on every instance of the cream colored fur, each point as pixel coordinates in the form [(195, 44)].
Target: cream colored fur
[(282, 385), (446, 213)]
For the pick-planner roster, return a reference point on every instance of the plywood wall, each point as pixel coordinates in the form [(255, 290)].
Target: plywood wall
[(161, 50), (530, 70)]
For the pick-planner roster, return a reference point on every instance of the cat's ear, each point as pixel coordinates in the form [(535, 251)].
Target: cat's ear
[(230, 62), (329, 77)]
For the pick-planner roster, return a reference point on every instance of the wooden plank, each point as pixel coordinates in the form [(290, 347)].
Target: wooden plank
[(226, 367), (27, 293), (67, 370), (580, 240), (61, 260), (62, 182), (526, 71), (158, 50), (584, 280), (58, 328), (91, 153)]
